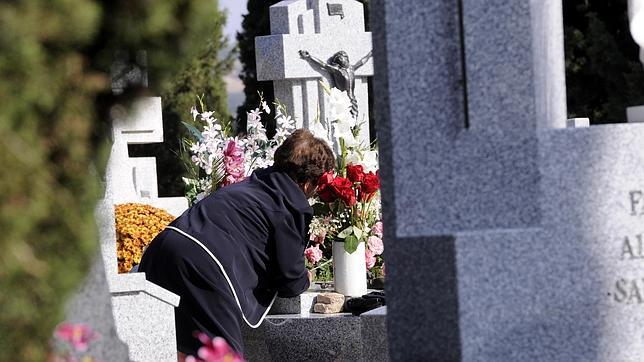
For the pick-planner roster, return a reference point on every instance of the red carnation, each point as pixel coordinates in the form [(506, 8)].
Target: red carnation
[(355, 173)]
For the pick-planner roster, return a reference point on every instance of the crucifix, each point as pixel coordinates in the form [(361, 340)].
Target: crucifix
[(342, 72), (322, 27)]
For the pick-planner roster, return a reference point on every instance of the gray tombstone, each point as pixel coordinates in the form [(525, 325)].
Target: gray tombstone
[(127, 309), (509, 237), (322, 27)]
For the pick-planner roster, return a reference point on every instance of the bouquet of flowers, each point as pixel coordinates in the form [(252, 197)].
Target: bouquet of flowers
[(219, 158), (347, 207)]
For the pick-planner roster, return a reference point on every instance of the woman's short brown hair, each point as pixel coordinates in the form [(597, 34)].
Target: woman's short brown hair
[(304, 157)]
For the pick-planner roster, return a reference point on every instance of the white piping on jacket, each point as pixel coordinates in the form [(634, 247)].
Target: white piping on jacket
[(221, 267)]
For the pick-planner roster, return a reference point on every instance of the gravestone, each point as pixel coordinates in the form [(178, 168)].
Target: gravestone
[(126, 308), (143, 311), (323, 28), (134, 179), (509, 236)]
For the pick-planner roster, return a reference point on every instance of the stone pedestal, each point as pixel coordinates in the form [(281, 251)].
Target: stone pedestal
[(293, 332), (318, 337), (144, 318)]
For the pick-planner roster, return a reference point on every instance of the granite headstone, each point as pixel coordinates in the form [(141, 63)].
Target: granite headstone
[(509, 236)]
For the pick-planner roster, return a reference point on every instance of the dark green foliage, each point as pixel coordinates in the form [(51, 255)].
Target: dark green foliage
[(603, 71), (256, 23), (55, 57), (202, 76)]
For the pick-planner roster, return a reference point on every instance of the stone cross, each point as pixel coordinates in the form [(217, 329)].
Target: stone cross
[(135, 179), (323, 28)]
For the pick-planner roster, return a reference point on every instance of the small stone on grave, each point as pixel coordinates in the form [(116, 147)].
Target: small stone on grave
[(329, 298), (328, 303)]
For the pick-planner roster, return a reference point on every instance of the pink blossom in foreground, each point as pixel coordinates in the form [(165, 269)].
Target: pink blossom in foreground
[(370, 258), (375, 244), (215, 350), (313, 254), (376, 229), (78, 335)]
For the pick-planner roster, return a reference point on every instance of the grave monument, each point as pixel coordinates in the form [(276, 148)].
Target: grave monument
[(134, 316), (509, 236)]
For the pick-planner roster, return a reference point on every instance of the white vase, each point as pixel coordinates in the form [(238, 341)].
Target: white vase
[(349, 270)]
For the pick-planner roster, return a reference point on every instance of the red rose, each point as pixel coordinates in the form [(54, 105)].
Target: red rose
[(343, 188), (370, 184), (326, 178), (325, 191), (355, 173)]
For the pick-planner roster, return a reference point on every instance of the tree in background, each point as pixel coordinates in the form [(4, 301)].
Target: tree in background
[(201, 76), (55, 58), (603, 71), (255, 23)]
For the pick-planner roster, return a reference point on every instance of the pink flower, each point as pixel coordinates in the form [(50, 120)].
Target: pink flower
[(233, 150), (370, 258), (375, 244), (233, 163), (376, 229), (313, 254), (318, 238), (78, 335), (215, 350)]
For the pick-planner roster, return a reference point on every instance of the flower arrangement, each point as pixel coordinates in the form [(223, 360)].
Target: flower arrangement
[(218, 158), (136, 226), (347, 207), (71, 341)]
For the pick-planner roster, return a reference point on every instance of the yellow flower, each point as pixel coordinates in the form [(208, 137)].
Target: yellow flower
[(136, 226)]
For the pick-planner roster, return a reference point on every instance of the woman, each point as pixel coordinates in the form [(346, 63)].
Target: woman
[(233, 252)]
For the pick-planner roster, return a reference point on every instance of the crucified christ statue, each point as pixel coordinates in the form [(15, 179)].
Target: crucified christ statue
[(342, 72)]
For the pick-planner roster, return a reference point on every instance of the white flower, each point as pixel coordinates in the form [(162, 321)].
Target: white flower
[(369, 161), (194, 113), (339, 105), (207, 116), (281, 134), (254, 115), (266, 108)]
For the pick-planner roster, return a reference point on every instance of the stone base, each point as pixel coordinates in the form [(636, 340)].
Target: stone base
[(144, 318), (319, 337)]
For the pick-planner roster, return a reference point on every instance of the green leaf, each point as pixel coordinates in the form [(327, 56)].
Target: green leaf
[(351, 244), (193, 130), (357, 232), (346, 232)]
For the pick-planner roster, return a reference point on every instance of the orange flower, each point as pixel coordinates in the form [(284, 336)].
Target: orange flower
[(136, 226)]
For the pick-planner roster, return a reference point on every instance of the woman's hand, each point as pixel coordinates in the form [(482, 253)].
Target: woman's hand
[(310, 277)]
